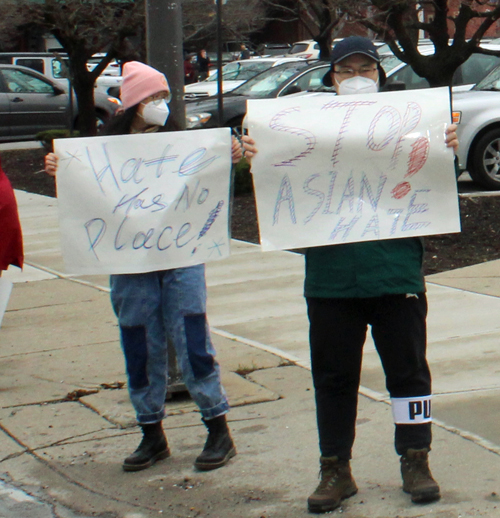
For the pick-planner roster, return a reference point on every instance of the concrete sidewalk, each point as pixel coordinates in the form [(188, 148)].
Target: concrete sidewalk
[(66, 422)]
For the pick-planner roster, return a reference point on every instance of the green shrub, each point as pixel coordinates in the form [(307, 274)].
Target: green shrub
[(243, 183), (46, 137)]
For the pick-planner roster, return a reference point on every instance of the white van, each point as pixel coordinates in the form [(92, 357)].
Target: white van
[(49, 64), (52, 65)]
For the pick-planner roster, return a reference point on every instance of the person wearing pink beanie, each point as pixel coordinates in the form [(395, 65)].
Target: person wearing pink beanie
[(155, 308), (140, 81)]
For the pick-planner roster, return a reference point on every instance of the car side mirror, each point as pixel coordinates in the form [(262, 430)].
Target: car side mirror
[(58, 90)]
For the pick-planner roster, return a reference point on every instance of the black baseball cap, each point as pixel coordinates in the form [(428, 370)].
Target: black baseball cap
[(354, 45)]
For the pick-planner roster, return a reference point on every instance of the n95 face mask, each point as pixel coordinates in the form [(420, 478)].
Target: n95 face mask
[(156, 112), (358, 85)]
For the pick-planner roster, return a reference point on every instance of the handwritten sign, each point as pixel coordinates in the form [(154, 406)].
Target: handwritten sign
[(339, 169), (139, 203)]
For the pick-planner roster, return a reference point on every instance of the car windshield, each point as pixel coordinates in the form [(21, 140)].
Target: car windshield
[(237, 71), (491, 81), (389, 62), (298, 47), (264, 84)]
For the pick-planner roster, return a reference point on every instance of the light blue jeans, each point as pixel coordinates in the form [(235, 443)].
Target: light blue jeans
[(156, 306)]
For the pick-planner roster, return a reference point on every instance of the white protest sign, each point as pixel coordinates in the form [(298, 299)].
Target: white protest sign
[(338, 169), (146, 202)]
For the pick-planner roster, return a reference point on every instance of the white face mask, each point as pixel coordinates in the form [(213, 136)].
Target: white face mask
[(358, 85), (155, 112)]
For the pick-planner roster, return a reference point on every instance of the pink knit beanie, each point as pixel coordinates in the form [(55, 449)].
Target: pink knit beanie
[(140, 81)]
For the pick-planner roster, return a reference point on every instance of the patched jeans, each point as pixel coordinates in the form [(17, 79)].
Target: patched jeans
[(167, 305)]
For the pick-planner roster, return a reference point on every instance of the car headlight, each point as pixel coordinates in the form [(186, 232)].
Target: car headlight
[(197, 120)]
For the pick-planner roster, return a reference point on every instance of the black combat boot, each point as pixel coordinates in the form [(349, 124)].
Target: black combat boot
[(153, 447), (336, 485), (417, 477), (219, 447)]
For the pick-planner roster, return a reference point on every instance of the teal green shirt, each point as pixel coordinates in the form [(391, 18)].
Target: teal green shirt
[(367, 269)]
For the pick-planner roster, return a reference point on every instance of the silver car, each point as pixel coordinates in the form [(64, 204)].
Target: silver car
[(30, 103), (477, 113)]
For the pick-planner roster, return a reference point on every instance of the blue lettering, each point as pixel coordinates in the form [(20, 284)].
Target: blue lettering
[(99, 174), (160, 237), (415, 208), (285, 195), (347, 195), (96, 239), (190, 165), (366, 187), (182, 232), (373, 226), (313, 192), (333, 177), (134, 164), (186, 197), (345, 228), (141, 239)]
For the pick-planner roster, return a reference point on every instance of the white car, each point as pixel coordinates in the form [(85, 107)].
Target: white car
[(233, 75), (110, 78), (113, 68), (477, 114), (104, 84), (306, 49)]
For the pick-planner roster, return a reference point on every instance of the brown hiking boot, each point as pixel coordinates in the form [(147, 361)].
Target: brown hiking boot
[(417, 477), (336, 484)]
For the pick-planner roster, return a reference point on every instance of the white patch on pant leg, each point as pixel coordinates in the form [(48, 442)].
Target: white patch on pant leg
[(411, 410)]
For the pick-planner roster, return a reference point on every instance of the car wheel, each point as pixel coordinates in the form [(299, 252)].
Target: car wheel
[(485, 163)]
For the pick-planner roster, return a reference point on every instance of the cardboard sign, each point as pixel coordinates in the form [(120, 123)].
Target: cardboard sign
[(145, 202), (338, 169)]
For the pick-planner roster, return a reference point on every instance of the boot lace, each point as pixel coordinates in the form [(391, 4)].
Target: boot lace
[(329, 476)]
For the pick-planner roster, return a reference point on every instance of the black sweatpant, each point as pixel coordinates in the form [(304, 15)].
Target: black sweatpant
[(337, 335)]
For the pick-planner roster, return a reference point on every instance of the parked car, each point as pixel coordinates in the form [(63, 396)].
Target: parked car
[(113, 69), (285, 79), (49, 64), (30, 103), (231, 51), (477, 113), (273, 49), (233, 75), (111, 78), (466, 76), (53, 65), (307, 49)]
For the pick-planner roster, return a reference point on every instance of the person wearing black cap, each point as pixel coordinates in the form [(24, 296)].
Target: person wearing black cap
[(351, 286)]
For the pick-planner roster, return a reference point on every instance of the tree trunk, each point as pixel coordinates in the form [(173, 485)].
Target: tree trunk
[(324, 47), (83, 85), (439, 68), (86, 120)]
